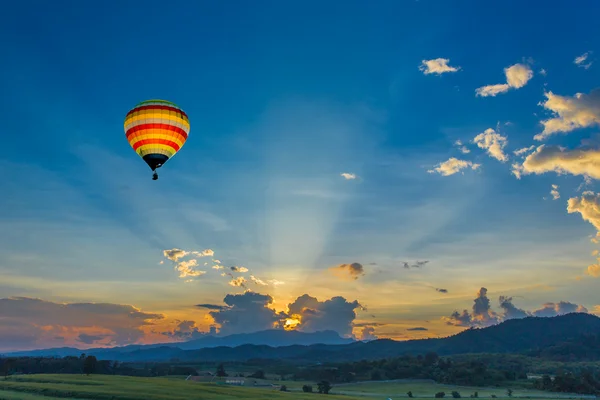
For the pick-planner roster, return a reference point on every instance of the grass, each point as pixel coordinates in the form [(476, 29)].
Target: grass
[(429, 389), (109, 387)]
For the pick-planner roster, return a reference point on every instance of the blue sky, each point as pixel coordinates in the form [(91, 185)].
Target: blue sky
[(282, 99)]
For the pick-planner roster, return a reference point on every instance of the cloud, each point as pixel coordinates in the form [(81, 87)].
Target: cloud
[(554, 192), (258, 281), (175, 254), (593, 270), (240, 281), (437, 66), (275, 282), (187, 330), (211, 306), (418, 328), (580, 61), (452, 166), (417, 264), (348, 176), (510, 310), (28, 323), (588, 205), (483, 316), (463, 149), (367, 333), (334, 314), (354, 270), (441, 290), (560, 308), (246, 313), (524, 150), (239, 269), (517, 76), (585, 162), (186, 268), (493, 143), (88, 339), (204, 253), (570, 113), (492, 90), (543, 72)]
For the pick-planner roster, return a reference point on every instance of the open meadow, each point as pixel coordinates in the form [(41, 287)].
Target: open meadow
[(110, 387)]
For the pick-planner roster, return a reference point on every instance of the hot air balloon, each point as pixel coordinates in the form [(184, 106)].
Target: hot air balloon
[(156, 129)]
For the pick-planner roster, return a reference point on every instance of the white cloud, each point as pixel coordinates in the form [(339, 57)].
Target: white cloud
[(570, 113), (186, 268), (275, 282), (258, 281), (463, 149), (543, 72), (580, 61), (437, 66), (175, 254), (524, 150), (204, 253), (554, 192), (588, 205), (452, 166), (517, 76), (493, 143), (585, 162), (492, 90), (348, 176)]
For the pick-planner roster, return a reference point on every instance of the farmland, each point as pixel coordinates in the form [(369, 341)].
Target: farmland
[(107, 387)]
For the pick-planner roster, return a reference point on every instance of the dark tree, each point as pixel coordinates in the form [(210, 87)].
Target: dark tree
[(221, 371), (89, 365), (283, 388), (409, 394), (260, 374), (307, 389), (509, 392), (324, 387), (455, 394), (440, 395)]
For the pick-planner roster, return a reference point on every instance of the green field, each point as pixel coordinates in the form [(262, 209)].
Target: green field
[(110, 387), (429, 389)]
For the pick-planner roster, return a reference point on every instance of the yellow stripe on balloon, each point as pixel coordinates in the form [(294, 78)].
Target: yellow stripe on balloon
[(173, 120), (151, 134), (156, 146), (160, 111)]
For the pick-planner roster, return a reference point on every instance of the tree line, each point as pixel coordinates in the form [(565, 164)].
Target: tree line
[(465, 370)]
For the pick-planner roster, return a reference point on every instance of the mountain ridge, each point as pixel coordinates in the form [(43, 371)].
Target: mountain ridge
[(537, 335)]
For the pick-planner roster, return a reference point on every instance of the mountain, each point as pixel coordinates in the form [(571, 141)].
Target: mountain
[(273, 338), (551, 337)]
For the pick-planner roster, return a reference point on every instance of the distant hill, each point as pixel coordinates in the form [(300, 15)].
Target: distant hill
[(575, 336), (272, 337)]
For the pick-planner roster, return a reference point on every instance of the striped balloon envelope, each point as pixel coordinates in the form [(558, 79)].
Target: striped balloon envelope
[(157, 130)]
